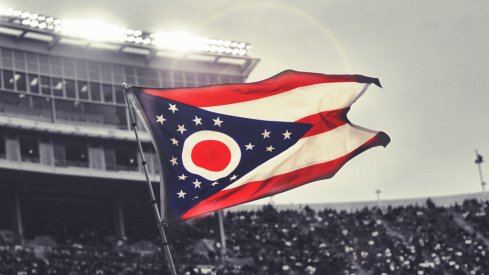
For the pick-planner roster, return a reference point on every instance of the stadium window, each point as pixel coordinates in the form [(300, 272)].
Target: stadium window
[(70, 89), (42, 108), (2, 146), (178, 79), (29, 149), (106, 114), (95, 91), (7, 61), (68, 67), (129, 73), (213, 79), (8, 78), (19, 59), (105, 72), (147, 77), (190, 80), (225, 79), (56, 66), (126, 158), (119, 95), (93, 67), (70, 111), (107, 91), (202, 80), (57, 87), (31, 59), (43, 63), (76, 154), (118, 73), (82, 90), (237, 79), (55, 61), (20, 80), (81, 68), (165, 79), (45, 85), (33, 83)]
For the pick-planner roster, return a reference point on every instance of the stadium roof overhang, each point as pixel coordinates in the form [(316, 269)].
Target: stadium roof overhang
[(54, 32)]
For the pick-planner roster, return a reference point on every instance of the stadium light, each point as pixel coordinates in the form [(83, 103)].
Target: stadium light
[(92, 29), (178, 41), (97, 30)]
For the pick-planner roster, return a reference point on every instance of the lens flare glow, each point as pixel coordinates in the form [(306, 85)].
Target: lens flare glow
[(93, 29)]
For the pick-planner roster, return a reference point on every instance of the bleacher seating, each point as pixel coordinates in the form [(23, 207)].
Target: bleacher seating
[(397, 240)]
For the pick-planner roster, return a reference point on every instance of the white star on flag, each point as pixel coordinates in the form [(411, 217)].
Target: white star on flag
[(215, 183), (160, 119), (181, 128), (182, 177), (173, 161), (266, 134), (249, 146), (181, 194), (270, 148), (286, 134), (196, 183), (197, 120), (173, 107), (233, 177), (174, 141), (217, 122)]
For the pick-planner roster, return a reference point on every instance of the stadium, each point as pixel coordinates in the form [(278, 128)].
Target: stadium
[(72, 194)]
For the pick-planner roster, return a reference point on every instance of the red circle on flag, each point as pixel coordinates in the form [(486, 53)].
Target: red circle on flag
[(212, 155)]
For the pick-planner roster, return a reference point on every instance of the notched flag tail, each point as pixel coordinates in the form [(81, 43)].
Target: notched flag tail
[(224, 145)]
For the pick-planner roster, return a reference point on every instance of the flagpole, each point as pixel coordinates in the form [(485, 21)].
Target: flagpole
[(160, 223)]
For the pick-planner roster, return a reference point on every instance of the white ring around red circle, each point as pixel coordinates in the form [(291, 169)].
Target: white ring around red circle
[(200, 136)]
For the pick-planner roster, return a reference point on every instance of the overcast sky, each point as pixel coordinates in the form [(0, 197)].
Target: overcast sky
[(432, 58)]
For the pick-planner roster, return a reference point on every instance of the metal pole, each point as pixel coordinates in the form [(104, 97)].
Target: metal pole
[(17, 216), (156, 211), (377, 193), (483, 183), (223, 237), (479, 161)]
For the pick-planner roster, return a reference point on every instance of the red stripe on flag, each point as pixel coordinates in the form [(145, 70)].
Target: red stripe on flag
[(325, 121), (277, 184), (215, 95)]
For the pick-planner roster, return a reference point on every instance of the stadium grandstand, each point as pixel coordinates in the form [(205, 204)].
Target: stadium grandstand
[(72, 193)]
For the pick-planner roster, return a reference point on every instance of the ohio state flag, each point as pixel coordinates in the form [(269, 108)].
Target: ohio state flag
[(224, 145)]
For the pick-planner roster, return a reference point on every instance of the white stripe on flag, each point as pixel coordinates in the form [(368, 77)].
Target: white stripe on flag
[(309, 151), (296, 103)]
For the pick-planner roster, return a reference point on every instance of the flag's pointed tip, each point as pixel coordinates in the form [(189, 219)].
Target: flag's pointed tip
[(383, 139), (373, 80), (367, 80), (376, 81)]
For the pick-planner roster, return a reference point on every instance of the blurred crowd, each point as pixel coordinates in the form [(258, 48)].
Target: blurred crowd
[(417, 239)]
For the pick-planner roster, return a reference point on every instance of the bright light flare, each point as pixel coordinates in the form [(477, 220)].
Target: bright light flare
[(178, 41), (97, 30), (92, 29)]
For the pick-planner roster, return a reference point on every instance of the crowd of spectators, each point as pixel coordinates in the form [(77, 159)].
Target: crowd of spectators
[(416, 239)]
